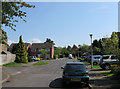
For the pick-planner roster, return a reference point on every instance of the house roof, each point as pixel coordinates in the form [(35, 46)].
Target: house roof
[(42, 45), (26, 45)]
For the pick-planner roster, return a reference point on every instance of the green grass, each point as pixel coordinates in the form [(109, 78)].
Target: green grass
[(13, 64), (40, 63), (96, 67), (108, 73), (86, 63)]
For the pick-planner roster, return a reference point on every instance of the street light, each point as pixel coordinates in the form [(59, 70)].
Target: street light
[(91, 52)]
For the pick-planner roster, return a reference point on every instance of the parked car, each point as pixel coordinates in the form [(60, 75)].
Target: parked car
[(70, 56), (95, 58), (75, 72), (34, 58), (107, 60)]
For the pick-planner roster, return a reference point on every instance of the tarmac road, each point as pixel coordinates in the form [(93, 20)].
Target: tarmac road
[(40, 76)]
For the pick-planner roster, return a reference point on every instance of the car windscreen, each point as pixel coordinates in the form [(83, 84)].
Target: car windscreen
[(75, 67)]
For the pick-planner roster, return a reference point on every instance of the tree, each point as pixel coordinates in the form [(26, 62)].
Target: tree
[(49, 40), (11, 10), (44, 53), (95, 43), (83, 48), (4, 37), (110, 46), (58, 51), (65, 52), (21, 54), (69, 48)]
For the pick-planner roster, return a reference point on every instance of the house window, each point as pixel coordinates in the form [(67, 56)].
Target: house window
[(39, 50), (48, 50), (34, 50)]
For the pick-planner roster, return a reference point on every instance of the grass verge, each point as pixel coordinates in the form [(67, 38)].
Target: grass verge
[(96, 67), (40, 63), (108, 73), (13, 64), (86, 63)]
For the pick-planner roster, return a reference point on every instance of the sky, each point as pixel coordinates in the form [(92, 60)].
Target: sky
[(66, 23)]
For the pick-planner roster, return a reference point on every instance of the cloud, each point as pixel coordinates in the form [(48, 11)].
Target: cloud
[(10, 42), (36, 40)]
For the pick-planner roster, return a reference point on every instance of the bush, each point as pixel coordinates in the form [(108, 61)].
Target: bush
[(54, 56), (30, 59), (81, 59), (116, 72)]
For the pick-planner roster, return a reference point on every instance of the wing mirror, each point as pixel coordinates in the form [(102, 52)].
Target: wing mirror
[(62, 67)]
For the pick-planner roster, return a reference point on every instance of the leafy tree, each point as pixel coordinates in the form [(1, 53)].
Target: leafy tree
[(21, 54), (69, 48), (58, 51), (11, 10), (110, 46), (14, 48), (4, 38), (96, 51), (83, 48), (49, 40), (44, 53), (95, 43), (65, 52)]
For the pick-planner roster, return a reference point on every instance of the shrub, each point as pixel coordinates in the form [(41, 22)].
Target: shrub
[(30, 59), (116, 72), (54, 56)]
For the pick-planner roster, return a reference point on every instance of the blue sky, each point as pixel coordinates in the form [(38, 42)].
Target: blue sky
[(66, 23)]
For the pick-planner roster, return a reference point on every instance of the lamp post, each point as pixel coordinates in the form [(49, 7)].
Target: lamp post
[(91, 52)]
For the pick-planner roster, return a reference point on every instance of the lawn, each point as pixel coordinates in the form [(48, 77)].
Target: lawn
[(40, 63), (108, 73), (86, 63), (96, 67), (13, 64)]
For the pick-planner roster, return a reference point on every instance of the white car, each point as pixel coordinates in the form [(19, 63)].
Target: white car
[(34, 58), (70, 56)]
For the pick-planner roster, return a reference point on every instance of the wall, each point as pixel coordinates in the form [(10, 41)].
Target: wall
[(7, 58)]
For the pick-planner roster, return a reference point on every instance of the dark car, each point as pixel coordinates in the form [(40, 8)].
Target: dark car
[(75, 72)]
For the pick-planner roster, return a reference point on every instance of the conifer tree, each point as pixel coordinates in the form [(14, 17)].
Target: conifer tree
[(21, 54)]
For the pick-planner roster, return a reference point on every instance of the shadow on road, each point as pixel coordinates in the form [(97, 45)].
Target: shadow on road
[(57, 83)]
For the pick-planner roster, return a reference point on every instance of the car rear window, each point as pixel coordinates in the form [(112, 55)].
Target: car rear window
[(75, 67), (105, 57)]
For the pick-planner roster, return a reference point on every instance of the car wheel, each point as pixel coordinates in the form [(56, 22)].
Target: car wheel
[(64, 84), (107, 67), (94, 63)]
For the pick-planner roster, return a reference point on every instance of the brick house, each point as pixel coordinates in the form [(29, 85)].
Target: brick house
[(36, 47), (27, 46)]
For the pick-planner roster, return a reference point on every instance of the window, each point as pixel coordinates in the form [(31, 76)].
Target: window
[(34, 50), (113, 57), (39, 49), (105, 57), (47, 49)]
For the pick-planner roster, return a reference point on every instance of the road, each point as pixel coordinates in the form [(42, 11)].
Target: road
[(39, 76)]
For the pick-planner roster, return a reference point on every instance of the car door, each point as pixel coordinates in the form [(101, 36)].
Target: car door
[(113, 60)]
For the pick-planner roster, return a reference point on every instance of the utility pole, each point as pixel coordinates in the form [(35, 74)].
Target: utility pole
[(91, 53)]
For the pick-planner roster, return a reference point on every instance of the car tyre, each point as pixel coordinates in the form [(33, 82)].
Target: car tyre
[(107, 67), (94, 63), (64, 84)]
